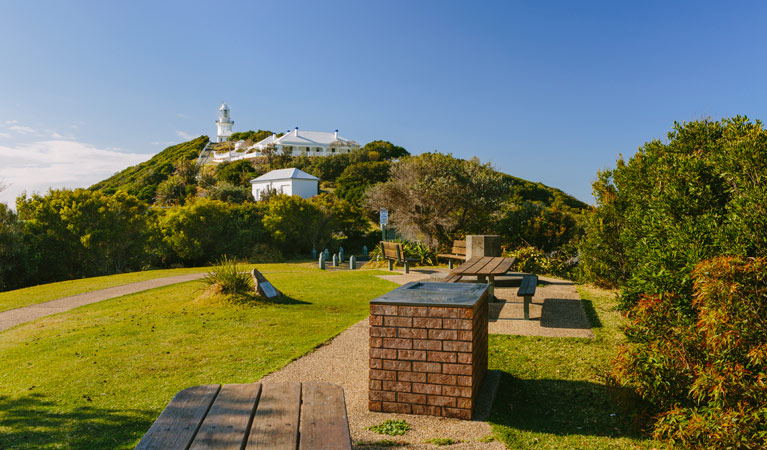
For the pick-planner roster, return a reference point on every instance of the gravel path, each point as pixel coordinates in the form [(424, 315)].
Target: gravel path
[(17, 316)]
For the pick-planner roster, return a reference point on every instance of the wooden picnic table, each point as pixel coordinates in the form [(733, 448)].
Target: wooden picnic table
[(292, 416), (484, 267)]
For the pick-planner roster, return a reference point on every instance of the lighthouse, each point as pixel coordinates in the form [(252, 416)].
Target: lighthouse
[(224, 123)]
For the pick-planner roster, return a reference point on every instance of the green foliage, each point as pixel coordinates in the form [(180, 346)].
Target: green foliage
[(205, 230), (255, 136), (704, 373), (74, 233), (391, 427), (435, 197), (172, 191), (384, 150), (229, 278), (532, 260), (237, 173), (523, 190), (410, 249), (673, 205), (12, 251), (142, 180), (229, 193), (357, 178), (535, 224)]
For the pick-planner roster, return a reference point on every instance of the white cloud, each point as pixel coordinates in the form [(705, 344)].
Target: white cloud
[(184, 135), (21, 129), (55, 164), (5, 135), (11, 122)]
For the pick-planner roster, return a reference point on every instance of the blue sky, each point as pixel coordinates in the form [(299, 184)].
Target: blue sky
[(547, 91)]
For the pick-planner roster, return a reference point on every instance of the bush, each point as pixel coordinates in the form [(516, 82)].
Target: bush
[(421, 253), (560, 263), (228, 278), (704, 373), (536, 225), (204, 230)]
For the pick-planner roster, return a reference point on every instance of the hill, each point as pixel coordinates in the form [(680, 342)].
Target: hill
[(141, 180)]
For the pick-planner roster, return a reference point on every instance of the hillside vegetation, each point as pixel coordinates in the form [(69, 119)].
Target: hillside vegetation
[(142, 180)]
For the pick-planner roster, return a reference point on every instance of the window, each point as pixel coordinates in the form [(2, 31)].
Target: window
[(332, 150)]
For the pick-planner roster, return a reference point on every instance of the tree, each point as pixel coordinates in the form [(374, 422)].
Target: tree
[(384, 150), (436, 198), (238, 173), (75, 233), (12, 258), (204, 230), (357, 178), (172, 191)]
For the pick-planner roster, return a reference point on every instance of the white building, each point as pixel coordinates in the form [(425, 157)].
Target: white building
[(224, 123), (298, 142), (286, 181)]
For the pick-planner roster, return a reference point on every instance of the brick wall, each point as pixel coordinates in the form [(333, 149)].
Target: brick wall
[(427, 360)]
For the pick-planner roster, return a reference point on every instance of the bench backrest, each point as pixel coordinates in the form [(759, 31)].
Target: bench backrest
[(391, 250), (459, 248)]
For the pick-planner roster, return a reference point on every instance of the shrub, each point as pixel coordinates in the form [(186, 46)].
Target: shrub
[(537, 225), (228, 278), (560, 263), (704, 372)]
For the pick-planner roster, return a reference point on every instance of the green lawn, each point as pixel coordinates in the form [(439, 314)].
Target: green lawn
[(96, 377), (552, 394), (46, 292)]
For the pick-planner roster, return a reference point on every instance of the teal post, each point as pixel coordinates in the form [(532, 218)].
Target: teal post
[(365, 251), (322, 261), (340, 254), (314, 253)]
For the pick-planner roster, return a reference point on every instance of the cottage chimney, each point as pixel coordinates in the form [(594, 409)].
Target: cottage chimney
[(336, 135), (296, 131)]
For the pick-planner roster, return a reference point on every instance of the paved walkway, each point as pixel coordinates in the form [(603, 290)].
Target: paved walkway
[(17, 316), (556, 309)]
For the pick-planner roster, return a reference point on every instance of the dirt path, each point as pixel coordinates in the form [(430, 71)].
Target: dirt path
[(17, 316)]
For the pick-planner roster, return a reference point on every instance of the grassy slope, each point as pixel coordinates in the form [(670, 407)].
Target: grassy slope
[(46, 292), (552, 395), (142, 179), (98, 376)]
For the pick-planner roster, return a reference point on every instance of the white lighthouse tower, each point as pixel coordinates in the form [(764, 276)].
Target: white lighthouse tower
[(224, 123)]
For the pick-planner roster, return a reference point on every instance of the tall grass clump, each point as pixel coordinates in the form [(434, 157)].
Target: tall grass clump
[(228, 278)]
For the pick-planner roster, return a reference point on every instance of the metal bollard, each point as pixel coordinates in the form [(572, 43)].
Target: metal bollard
[(335, 260), (352, 262), (322, 261), (340, 254), (365, 251)]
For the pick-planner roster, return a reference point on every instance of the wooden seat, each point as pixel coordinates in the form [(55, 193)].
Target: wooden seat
[(458, 252), (452, 278), (527, 290), (392, 252), (292, 416)]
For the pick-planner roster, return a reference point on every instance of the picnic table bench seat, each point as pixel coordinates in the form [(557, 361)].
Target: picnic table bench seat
[(527, 291), (458, 253), (392, 252), (309, 415)]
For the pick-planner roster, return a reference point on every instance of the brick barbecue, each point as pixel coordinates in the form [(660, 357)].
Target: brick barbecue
[(428, 349)]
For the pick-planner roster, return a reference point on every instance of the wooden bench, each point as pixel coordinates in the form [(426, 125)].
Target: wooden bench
[(292, 416), (392, 252), (458, 253), (527, 290)]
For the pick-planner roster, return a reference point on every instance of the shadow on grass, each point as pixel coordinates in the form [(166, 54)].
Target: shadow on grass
[(33, 422), (591, 313), (558, 407)]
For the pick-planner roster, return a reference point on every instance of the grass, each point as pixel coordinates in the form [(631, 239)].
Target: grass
[(552, 394), (46, 292), (97, 376)]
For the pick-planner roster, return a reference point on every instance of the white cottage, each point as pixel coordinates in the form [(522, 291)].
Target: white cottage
[(308, 143), (286, 181)]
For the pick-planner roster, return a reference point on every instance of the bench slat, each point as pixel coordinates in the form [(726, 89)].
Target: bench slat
[(528, 285), (179, 421), (324, 424), (275, 425), (229, 419)]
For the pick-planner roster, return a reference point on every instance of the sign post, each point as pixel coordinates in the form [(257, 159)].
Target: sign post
[(383, 220)]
